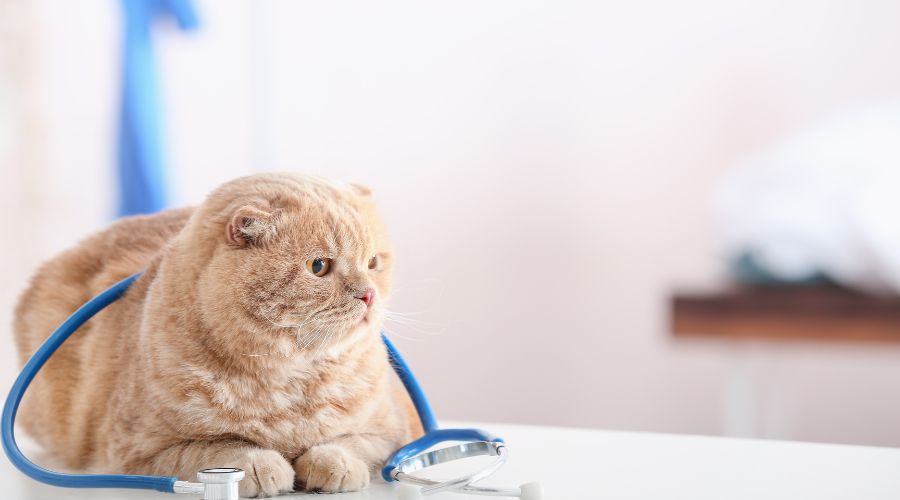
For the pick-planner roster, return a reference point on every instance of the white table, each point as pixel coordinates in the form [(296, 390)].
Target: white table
[(591, 464)]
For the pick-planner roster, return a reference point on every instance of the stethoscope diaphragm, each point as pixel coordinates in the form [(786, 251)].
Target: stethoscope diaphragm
[(413, 486)]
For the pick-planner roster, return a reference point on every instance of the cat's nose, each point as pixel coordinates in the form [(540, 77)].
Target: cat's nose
[(368, 297)]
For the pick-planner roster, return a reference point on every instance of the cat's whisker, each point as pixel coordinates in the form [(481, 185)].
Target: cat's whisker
[(308, 338), (313, 338), (324, 341), (406, 319), (422, 327), (413, 331), (395, 334), (323, 333), (411, 313), (335, 328), (284, 352), (318, 343), (281, 325)]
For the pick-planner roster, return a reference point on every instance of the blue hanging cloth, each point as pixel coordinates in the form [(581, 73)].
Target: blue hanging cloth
[(141, 164)]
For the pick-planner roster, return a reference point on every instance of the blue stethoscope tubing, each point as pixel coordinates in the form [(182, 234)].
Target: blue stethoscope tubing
[(32, 367), (433, 435)]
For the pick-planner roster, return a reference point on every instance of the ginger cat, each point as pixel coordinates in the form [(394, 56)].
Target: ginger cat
[(250, 341)]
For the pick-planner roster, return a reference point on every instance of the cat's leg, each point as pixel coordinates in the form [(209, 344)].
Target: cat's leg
[(268, 473), (342, 464)]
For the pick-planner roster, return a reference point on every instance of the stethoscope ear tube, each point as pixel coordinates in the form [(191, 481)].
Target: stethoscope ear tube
[(419, 399), (32, 367), (215, 484)]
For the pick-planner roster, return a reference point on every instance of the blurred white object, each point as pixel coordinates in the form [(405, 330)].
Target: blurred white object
[(825, 201)]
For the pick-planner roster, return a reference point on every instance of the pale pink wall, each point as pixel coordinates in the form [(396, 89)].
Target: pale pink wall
[(545, 168)]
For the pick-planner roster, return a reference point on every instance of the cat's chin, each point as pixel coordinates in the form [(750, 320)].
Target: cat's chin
[(365, 317)]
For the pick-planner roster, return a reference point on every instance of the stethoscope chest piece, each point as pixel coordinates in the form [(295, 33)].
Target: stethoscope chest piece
[(220, 483), (413, 487)]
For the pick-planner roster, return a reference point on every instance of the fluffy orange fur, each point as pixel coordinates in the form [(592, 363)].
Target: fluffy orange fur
[(228, 351)]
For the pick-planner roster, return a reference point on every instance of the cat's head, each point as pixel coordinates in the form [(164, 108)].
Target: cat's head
[(298, 262)]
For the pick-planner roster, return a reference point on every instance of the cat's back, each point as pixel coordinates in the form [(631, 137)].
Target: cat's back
[(71, 278), (68, 280)]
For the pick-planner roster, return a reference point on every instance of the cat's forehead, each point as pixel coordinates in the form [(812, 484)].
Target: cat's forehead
[(337, 225), (307, 212)]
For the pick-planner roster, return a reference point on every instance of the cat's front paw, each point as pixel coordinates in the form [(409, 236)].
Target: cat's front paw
[(267, 474), (332, 468)]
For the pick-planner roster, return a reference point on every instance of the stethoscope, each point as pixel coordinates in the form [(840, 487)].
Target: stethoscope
[(222, 483)]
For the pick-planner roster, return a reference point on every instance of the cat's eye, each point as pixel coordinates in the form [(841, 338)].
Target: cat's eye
[(374, 262), (319, 266)]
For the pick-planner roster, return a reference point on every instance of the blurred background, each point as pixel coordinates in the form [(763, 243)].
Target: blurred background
[(573, 187)]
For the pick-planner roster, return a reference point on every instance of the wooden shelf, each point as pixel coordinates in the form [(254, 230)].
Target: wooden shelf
[(795, 313)]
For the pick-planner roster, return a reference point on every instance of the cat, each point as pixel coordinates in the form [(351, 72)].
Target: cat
[(250, 341)]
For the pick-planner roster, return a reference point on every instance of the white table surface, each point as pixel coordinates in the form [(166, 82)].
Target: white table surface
[(592, 464)]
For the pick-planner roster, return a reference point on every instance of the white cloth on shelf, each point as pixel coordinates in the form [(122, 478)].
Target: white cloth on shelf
[(826, 200)]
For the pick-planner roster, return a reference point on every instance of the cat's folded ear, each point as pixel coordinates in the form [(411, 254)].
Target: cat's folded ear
[(361, 190), (249, 226)]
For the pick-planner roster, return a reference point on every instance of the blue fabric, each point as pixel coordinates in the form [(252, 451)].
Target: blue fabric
[(141, 163)]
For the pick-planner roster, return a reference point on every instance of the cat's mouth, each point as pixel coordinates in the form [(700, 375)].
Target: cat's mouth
[(364, 316)]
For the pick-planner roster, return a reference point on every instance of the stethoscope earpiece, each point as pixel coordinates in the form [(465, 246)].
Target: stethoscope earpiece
[(408, 492), (531, 491)]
